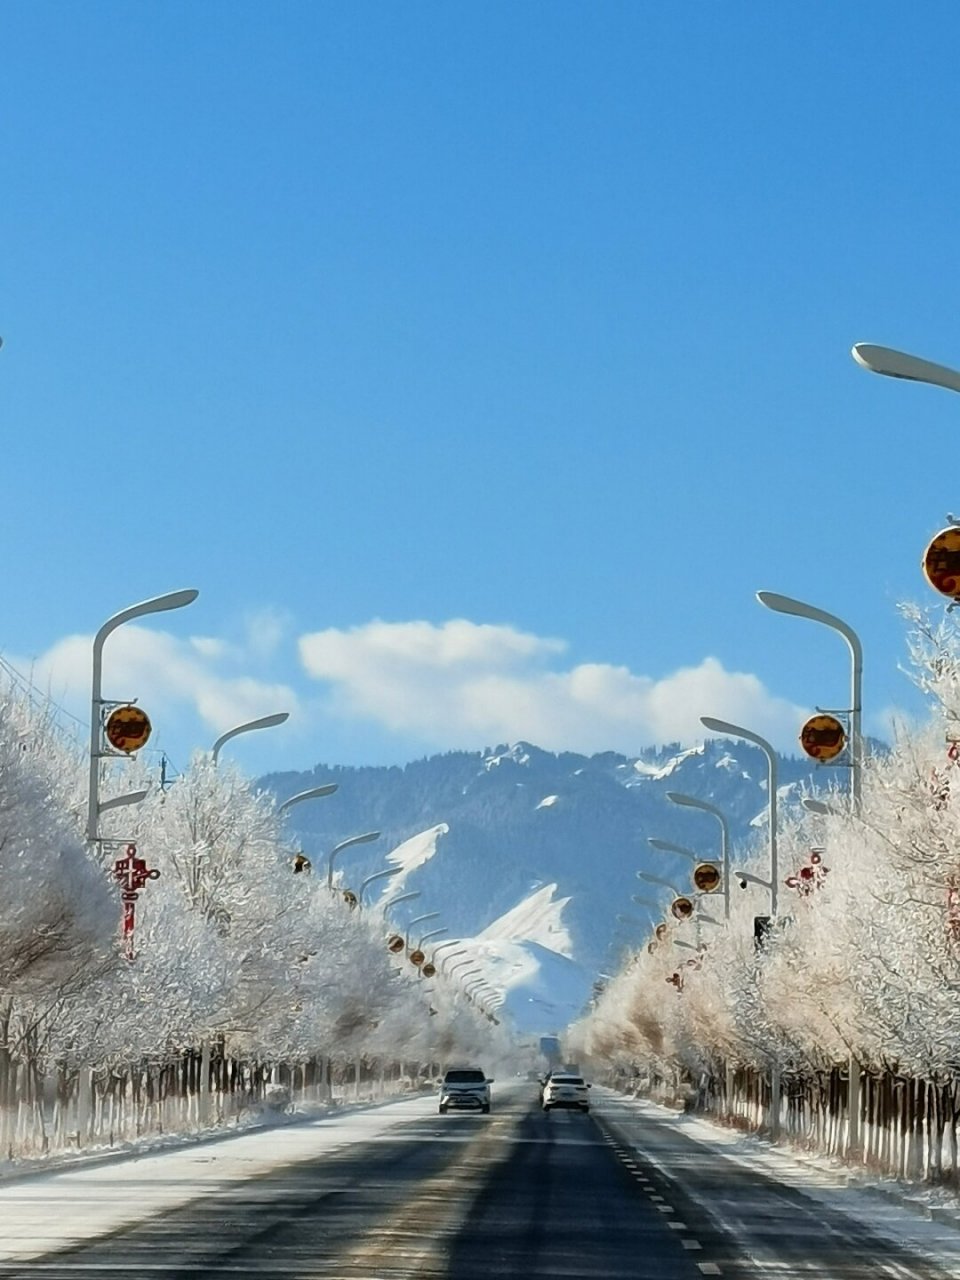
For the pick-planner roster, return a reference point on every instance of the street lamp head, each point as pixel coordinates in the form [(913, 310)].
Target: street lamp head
[(898, 364), (784, 604), (668, 846), (678, 797), (815, 806), (314, 793), (721, 726), (172, 600), (265, 722)]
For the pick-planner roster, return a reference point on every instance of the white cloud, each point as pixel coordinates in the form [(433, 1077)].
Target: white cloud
[(462, 683), (265, 632), (157, 668)]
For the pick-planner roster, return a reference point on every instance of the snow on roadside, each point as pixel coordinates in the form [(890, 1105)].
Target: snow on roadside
[(823, 1179), (55, 1209)]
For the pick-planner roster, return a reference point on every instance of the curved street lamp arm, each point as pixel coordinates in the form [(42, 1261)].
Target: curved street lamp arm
[(434, 933), (645, 875), (347, 844), (430, 915), (705, 919), (314, 793), (404, 897), (129, 797), (452, 956), (667, 846), (752, 879), (377, 875), (647, 902), (694, 802), (816, 806), (451, 942), (800, 609), (265, 722)]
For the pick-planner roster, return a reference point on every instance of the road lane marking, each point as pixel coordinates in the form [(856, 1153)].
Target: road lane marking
[(379, 1255), (709, 1268), (691, 1244)]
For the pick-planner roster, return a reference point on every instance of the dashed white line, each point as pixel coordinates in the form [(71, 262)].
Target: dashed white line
[(691, 1244), (709, 1268)]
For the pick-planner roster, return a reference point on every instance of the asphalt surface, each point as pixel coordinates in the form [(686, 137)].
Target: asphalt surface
[(518, 1193)]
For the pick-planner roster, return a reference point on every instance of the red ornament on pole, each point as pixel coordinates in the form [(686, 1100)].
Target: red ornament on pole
[(131, 873), (809, 877)]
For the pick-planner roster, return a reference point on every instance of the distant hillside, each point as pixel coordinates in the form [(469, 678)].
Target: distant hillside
[(520, 818)]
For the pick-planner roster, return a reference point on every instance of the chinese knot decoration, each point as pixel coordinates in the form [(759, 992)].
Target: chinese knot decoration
[(809, 877), (131, 874)]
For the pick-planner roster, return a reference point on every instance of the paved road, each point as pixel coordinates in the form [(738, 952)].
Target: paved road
[(514, 1194)]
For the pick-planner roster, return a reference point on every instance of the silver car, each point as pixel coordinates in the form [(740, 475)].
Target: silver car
[(465, 1089)]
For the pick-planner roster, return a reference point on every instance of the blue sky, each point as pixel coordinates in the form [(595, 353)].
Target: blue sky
[(477, 362)]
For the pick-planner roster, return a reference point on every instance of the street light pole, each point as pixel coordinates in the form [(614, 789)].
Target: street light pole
[(737, 731), (694, 802), (265, 722), (159, 604), (897, 365), (786, 604)]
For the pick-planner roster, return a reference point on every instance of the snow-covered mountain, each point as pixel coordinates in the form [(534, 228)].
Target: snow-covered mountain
[(533, 855)]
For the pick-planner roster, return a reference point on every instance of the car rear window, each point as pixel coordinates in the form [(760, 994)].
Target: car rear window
[(465, 1077), (566, 1080)]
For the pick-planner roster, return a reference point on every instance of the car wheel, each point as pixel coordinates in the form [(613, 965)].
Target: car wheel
[(546, 1106), (486, 1109), (442, 1110)]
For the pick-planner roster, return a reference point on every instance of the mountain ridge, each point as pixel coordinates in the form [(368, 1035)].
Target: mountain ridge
[(520, 818)]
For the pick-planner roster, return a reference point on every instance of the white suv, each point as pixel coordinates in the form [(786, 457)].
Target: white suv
[(465, 1089), (564, 1090)]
